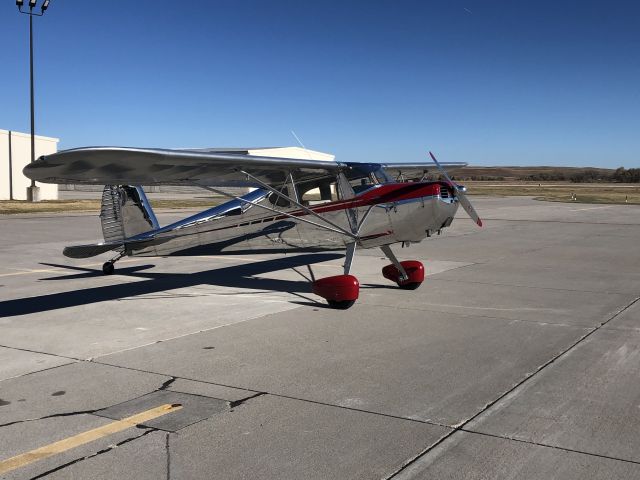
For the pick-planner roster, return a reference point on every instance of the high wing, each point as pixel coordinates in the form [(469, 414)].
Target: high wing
[(134, 166), (418, 170)]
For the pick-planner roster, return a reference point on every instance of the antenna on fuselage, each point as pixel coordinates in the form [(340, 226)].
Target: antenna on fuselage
[(301, 144)]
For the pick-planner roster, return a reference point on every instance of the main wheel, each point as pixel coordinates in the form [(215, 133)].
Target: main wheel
[(341, 304), (410, 286), (108, 268)]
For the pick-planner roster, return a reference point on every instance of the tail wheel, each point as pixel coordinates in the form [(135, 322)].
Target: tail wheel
[(108, 268)]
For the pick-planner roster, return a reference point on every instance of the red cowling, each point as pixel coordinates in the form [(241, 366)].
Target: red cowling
[(414, 269), (339, 288)]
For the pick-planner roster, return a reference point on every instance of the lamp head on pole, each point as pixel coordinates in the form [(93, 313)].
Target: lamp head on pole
[(45, 5), (32, 3), (19, 3)]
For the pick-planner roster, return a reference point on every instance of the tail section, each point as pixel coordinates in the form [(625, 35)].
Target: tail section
[(124, 213)]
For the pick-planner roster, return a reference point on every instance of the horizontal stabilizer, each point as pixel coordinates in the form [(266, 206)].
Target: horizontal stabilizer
[(86, 251)]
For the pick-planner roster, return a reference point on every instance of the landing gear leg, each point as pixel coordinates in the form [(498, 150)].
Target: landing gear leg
[(340, 291), (108, 267), (408, 274)]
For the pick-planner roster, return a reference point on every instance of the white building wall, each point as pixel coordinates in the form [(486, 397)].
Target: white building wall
[(20, 156), (292, 152), (4, 165)]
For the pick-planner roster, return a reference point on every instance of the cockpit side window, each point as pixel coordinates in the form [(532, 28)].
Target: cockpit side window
[(382, 176)]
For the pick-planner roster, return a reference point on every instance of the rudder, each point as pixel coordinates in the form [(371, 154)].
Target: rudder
[(125, 212)]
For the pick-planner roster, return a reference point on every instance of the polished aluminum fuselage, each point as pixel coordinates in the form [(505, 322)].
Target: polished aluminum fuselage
[(238, 226)]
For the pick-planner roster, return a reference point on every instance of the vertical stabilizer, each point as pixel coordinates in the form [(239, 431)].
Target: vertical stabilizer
[(125, 212)]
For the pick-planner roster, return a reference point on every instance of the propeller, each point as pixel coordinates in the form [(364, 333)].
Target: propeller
[(462, 198)]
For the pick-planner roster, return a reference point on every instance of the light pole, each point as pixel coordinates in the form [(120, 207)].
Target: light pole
[(33, 191)]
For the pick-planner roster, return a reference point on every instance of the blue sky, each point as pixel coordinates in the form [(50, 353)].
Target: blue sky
[(490, 83)]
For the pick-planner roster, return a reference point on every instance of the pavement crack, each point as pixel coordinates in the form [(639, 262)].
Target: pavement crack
[(53, 415), (560, 221), (546, 445), (534, 287), (43, 353), (167, 384), (166, 445), (237, 403), (510, 391), (99, 452)]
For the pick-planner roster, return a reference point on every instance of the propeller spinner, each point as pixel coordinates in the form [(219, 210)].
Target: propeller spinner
[(462, 198)]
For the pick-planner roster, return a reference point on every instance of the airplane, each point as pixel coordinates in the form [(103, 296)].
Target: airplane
[(359, 206)]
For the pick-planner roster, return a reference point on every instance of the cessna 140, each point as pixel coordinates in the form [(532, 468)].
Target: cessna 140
[(369, 208)]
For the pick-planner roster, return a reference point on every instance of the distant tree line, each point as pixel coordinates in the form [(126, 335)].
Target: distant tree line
[(631, 175), (620, 175), (481, 178), (547, 177), (591, 175)]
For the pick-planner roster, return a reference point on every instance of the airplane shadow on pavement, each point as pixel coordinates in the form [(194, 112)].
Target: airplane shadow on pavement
[(238, 276)]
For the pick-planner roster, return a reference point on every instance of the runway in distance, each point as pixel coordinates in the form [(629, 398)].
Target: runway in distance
[(296, 205)]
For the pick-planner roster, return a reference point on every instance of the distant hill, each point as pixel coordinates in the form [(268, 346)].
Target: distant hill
[(574, 174)]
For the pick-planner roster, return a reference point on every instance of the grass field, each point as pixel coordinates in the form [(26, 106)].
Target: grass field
[(552, 192), (561, 192), (18, 206)]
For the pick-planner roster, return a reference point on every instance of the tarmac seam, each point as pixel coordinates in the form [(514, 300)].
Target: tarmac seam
[(164, 386), (506, 319), (230, 324), (546, 445), (148, 430), (40, 371), (41, 353), (527, 286), (563, 221), (53, 415), (175, 377), (237, 403), (460, 426), (166, 446), (261, 393)]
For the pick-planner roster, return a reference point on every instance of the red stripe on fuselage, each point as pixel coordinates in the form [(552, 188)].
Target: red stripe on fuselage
[(387, 193)]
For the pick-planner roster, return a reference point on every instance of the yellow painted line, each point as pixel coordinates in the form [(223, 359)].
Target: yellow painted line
[(229, 258), (25, 272), (84, 437), (57, 270)]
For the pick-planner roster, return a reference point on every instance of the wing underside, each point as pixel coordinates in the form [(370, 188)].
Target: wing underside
[(135, 166), (143, 166)]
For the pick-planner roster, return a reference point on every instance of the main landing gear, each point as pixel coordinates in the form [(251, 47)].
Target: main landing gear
[(341, 291), (108, 267), (409, 274)]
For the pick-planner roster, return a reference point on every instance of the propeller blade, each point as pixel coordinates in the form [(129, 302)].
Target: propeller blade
[(462, 198), (466, 204)]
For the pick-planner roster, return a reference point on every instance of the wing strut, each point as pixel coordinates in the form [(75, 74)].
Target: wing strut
[(298, 204), (348, 259), (386, 249), (225, 194)]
